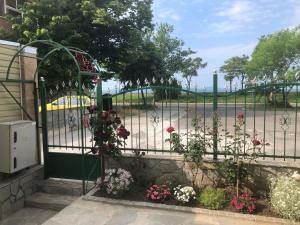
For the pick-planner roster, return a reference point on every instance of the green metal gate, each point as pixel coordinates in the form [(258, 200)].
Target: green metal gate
[(62, 110)]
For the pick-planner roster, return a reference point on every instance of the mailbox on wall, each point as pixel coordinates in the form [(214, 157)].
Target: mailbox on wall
[(18, 148)]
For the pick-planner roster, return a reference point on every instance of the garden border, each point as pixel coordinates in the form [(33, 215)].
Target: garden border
[(255, 218)]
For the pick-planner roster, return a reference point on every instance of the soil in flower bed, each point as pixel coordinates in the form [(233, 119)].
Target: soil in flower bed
[(139, 194)]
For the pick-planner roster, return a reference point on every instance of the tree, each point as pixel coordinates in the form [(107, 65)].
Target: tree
[(235, 67), (191, 67), (106, 29), (276, 58)]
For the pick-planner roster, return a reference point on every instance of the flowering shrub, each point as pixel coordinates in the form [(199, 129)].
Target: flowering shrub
[(158, 193), (212, 198), (285, 195), (196, 147), (107, 130), (115, 182), (244, 203), (240, 148), (184, 194)]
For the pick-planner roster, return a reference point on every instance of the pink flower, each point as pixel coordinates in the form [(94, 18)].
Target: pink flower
[(170, 129)]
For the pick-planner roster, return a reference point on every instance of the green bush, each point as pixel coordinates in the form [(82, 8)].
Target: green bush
[(212, 198), (285, 196), (228, 169)]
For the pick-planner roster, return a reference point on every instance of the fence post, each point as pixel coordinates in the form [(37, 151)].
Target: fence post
[(44, 124), (100, 107), (215, 115)]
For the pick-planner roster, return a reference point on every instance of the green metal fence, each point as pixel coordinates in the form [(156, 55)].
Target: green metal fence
[(271, 115)]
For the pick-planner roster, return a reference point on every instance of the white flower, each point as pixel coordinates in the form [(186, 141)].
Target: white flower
[(184, 194), (116, 181), (296, 176)]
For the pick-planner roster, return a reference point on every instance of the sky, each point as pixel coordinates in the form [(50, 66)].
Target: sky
[(219, 29)]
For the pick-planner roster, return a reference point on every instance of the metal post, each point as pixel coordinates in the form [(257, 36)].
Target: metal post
[(44, 124), (215, 119), (100, 107)]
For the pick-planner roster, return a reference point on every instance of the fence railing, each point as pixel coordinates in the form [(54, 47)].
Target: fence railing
[(271, 115)]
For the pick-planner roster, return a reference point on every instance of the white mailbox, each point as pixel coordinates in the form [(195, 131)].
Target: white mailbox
[(17, 145)]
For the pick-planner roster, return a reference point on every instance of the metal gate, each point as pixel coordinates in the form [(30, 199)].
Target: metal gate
[(65, 139)]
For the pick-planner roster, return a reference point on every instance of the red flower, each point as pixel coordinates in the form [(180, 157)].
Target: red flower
[(256, 142), (170, 129), (157, 193), (92, 108), (104, 115), (244, 203), (122, 132), (241, 115)]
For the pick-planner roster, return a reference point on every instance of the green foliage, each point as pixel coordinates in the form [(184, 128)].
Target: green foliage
[(235, 67), (108, 30), (173, 91), (170, 180), (285, 196), (275, 54), (228, 169), (212, 198), (191, 67)]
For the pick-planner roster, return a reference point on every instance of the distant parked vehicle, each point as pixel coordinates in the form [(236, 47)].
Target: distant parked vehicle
[(68, 102)]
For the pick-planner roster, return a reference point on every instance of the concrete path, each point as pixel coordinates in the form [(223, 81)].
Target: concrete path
[(28, 216), (83, 212)]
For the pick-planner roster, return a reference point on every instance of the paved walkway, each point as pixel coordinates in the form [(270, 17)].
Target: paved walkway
[(28, 216), (83, 212)]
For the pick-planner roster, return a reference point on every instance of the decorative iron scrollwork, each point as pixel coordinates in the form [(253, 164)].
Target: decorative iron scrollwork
[(285, 121)]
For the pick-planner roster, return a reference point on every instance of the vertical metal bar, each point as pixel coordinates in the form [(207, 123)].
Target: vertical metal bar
[(245, 118), (82, 134), (215, 119), (296, 121), (178, 112), (71, 119), (285, 110), (99, 99), (52, 123), (187, 117), (162, 118), (124, 120), (265, 109), (170, 110), (147, 128), (226, 117), (274, 140), (36, 111), (254, 111), (44, 125), (154, 125), (131, 120), (65, 124), (139, 117), (204, 114), (58, 122)]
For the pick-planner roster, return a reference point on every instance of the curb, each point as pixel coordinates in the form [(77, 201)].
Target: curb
[(89, 197)]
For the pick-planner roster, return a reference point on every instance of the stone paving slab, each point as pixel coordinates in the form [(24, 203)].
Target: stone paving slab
[(49, 201), (82, 212), (28, 216)]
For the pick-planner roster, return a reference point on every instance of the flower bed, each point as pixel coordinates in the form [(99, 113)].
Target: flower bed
[(139, 194)]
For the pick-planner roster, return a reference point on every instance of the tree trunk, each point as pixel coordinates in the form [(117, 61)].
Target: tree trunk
[(143, 97), (242, 82), (230, 85)]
